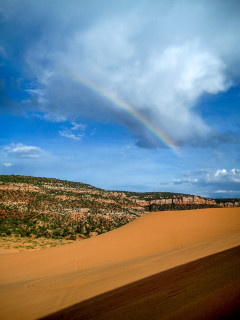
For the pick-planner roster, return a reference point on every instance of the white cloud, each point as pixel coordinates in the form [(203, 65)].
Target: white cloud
[(78, 126), (23, 151), (218, 177), (222, 172), (224, 176), (68, 134), (230, 192), (235, 172), (7, 164), (72, 132), (160, 58), (212, 183), (185, 180)]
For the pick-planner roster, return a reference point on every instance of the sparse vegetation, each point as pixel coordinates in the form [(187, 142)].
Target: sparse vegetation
[(25, 243), (37, 208), (54, 209)]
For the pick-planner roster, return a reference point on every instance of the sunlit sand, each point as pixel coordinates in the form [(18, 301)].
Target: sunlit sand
[(36, 284)]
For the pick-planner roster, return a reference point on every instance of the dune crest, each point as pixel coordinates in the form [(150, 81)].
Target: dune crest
[(35, 284)]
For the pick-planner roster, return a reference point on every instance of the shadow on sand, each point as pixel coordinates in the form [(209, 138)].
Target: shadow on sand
[(208, 288)]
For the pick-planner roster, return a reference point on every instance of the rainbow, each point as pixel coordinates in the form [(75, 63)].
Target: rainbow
[(129, 109)]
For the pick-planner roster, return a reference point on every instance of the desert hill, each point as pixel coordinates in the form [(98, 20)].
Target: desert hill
[(37, 284), (52, 208)]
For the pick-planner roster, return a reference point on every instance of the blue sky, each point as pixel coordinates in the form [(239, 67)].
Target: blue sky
[(65, 65)]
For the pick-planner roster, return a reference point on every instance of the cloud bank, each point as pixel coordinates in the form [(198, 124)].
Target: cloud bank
[(221, 182), (161, 58)]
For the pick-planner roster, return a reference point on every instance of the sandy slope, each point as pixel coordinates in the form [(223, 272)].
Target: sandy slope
[(38, 283), (207, 288)]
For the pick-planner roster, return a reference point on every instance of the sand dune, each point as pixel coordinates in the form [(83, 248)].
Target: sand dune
[(36, 284), (208, 288)]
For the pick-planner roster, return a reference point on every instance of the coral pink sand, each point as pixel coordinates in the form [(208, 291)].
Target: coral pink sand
[(37, 284)]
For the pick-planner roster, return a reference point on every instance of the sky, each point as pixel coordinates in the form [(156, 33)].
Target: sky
[(123, 95)]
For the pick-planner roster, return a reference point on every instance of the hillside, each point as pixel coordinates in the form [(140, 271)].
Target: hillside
[(59, 209)]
